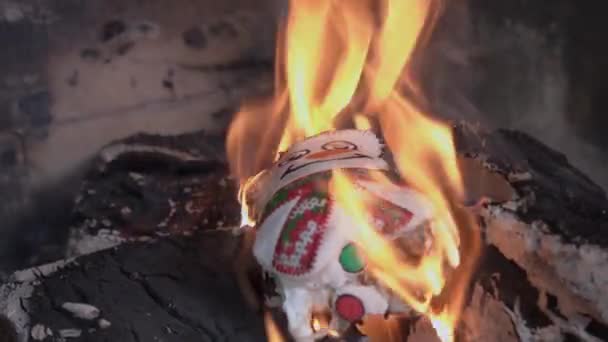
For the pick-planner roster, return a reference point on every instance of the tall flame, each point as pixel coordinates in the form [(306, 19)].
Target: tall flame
[(337, 59)]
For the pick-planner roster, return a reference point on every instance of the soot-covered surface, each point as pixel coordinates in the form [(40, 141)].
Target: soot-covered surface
[(555, 192), (147, 185), (170, 290)]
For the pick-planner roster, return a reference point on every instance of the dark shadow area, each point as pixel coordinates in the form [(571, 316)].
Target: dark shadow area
[(34, 225)]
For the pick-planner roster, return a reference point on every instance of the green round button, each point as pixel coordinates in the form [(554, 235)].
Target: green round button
[(350, 260)]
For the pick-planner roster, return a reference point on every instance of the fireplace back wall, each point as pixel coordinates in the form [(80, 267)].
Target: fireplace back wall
[(76, 75)]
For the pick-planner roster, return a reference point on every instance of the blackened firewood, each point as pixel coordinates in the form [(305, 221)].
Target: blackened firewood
[(554, 191), (151, 185), (546, 256), (540, 277), (174, 289)]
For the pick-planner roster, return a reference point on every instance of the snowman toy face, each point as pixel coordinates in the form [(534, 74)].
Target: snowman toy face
[(323, 152), (314, 264)]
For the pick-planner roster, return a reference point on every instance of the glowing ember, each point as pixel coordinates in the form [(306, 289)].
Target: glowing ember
[(316, 324), (272, 331), (336, 60), (444, 326), (320, 326)]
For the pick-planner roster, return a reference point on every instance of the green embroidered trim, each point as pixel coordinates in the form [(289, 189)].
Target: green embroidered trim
[(283, 195), (297, 214)]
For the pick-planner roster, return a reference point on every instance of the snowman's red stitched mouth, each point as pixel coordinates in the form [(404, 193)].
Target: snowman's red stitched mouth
[(294, 168)]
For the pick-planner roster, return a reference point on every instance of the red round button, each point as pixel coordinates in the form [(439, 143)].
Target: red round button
[(350, 308)]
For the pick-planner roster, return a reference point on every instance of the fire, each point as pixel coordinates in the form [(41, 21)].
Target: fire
[(320, 325), (443, 325), (351, 60), (316, 324), (272, 331)]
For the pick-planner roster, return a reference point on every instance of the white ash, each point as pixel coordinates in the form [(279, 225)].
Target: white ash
[(515, 177), (488, 165), (70, 333), (104, 323), (575, 274), (172, 210), (112, 152), (14, 303), (191, 208), (40, 332), (13, 295), (138, 177), (81, 242), (14, 308), (34, 273), (82, 310)]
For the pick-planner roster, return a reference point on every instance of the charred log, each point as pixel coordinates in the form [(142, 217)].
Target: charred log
[(540, 278), (173, 289), (546, 258), (148, 186)]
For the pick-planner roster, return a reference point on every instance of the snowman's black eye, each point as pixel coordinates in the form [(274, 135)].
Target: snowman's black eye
[(339, 145), (293, 156)]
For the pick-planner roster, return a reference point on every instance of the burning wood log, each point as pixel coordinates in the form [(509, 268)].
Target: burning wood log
[(546, 258), (148, 277), (314, 213), (539, 277), (356, 71), (174, 289), (537, 272), (331, 228), (149, 186), (518, 293)]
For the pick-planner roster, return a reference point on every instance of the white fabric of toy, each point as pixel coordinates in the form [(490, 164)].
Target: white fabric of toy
[(315, 265)]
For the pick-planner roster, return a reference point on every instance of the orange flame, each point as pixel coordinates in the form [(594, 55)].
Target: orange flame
[(320, 326), (273, 333), (337, 59)]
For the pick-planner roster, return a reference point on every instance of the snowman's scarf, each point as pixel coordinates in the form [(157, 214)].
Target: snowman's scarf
[(304, 230)]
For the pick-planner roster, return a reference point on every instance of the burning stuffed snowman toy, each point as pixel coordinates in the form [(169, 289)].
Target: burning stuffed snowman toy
[(305, 238)]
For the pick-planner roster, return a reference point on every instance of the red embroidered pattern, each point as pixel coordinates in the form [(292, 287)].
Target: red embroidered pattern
[(389, 218), (305, 227), (302, 234), (302, 187)]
